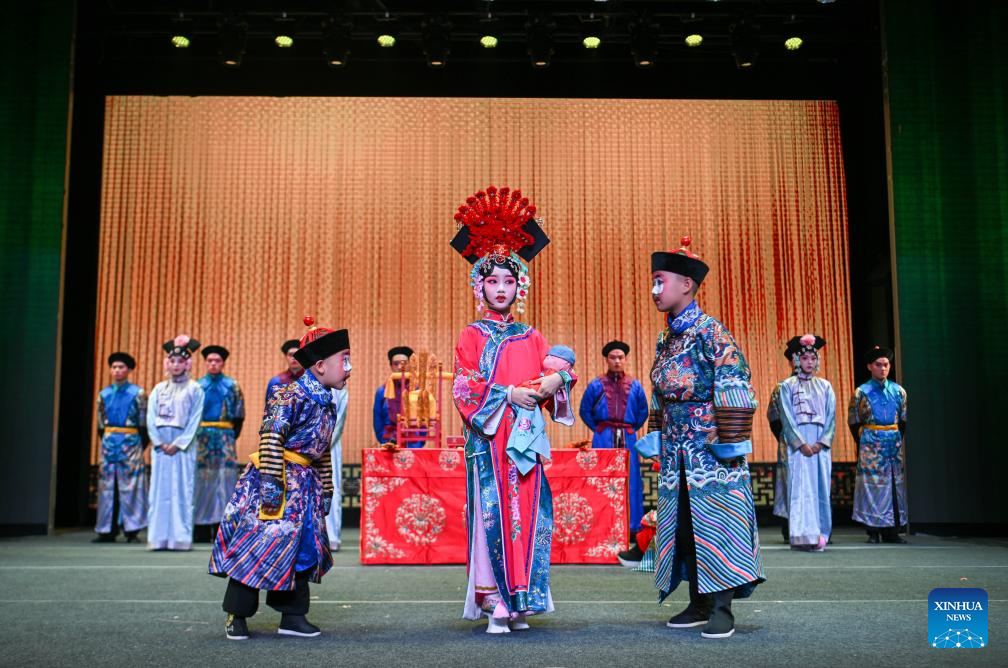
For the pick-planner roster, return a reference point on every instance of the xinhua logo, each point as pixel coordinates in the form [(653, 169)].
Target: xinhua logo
[(957, 618)]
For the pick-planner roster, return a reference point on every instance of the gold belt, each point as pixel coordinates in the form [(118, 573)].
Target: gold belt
[(288, 455), (220, 424), (881, 427), (121, 430)]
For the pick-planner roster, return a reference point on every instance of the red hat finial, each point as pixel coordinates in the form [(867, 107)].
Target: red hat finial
[(686, 241), (309, 321)]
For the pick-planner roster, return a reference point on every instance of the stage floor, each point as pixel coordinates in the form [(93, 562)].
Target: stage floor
[(70, 603)]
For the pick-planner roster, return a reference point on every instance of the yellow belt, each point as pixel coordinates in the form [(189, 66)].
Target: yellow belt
[(121, 430), (220, 424), (289, 456), (881, 427)]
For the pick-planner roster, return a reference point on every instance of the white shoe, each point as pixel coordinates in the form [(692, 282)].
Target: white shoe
[(497, 625), (519, 624)]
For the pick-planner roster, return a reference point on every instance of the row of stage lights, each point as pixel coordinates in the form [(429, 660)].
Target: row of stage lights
[(436, 39)]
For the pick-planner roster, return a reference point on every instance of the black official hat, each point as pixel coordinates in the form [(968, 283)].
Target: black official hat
[(290, 343), (125, 358), (400, 350), (220, 350), (615, 345), (319, 343), (876, 352), (681, 262)]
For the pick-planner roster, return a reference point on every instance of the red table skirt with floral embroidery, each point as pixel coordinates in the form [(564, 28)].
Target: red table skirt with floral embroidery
[(413, 506)]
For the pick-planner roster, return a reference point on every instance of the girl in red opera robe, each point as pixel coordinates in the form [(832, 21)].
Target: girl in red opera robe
[(498, 371)]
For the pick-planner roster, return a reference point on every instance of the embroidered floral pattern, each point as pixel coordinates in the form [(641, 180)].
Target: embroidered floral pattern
[(587, 459), (420, 519), (448, 460), (403, 459), (572, 517)]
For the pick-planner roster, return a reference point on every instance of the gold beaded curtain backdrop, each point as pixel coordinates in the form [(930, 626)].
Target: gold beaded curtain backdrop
[(229, 219)]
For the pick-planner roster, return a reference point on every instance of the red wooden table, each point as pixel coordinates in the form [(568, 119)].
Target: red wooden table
[(413, 506)]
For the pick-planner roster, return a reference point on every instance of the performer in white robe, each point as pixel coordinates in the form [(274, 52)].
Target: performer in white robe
[(807, 413), (334, 520), (173, 416)]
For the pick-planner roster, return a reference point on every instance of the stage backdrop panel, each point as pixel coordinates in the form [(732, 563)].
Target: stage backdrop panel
[(229, 218)]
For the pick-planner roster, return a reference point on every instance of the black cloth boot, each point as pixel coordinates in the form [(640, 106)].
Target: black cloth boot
[(240, 601), (131, 536), (697, 613), (291, 602), (874, 536), (294, 606), (722, 621)]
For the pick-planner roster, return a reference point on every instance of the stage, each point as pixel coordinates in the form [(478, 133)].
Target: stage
[(68, 602)]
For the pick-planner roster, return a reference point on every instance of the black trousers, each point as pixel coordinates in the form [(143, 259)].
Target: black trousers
[(686, 547), (241, 600)]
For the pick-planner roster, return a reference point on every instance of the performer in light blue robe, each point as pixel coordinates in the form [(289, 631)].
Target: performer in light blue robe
[(216, 454), (877, 418), (334, 520), (122, 473), (173, 416), (615, 407), (806, 406)]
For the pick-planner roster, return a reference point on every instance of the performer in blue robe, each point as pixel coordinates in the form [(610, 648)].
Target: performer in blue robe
[(288, 375), (122, 473), (173, 415), (877, 418), (615, 407), (706, 531), (386, 408), (216, 456), (806, 409), (273, 535)]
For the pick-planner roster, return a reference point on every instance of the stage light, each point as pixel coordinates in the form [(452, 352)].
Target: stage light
[(692, 31), (436, 40), (793, 43), (744, 43), (231, 42), (386, 41), (540, 41), (336, 42), (283, 31), (181, 29), (488, 41), (644, 42), (591, 31)]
